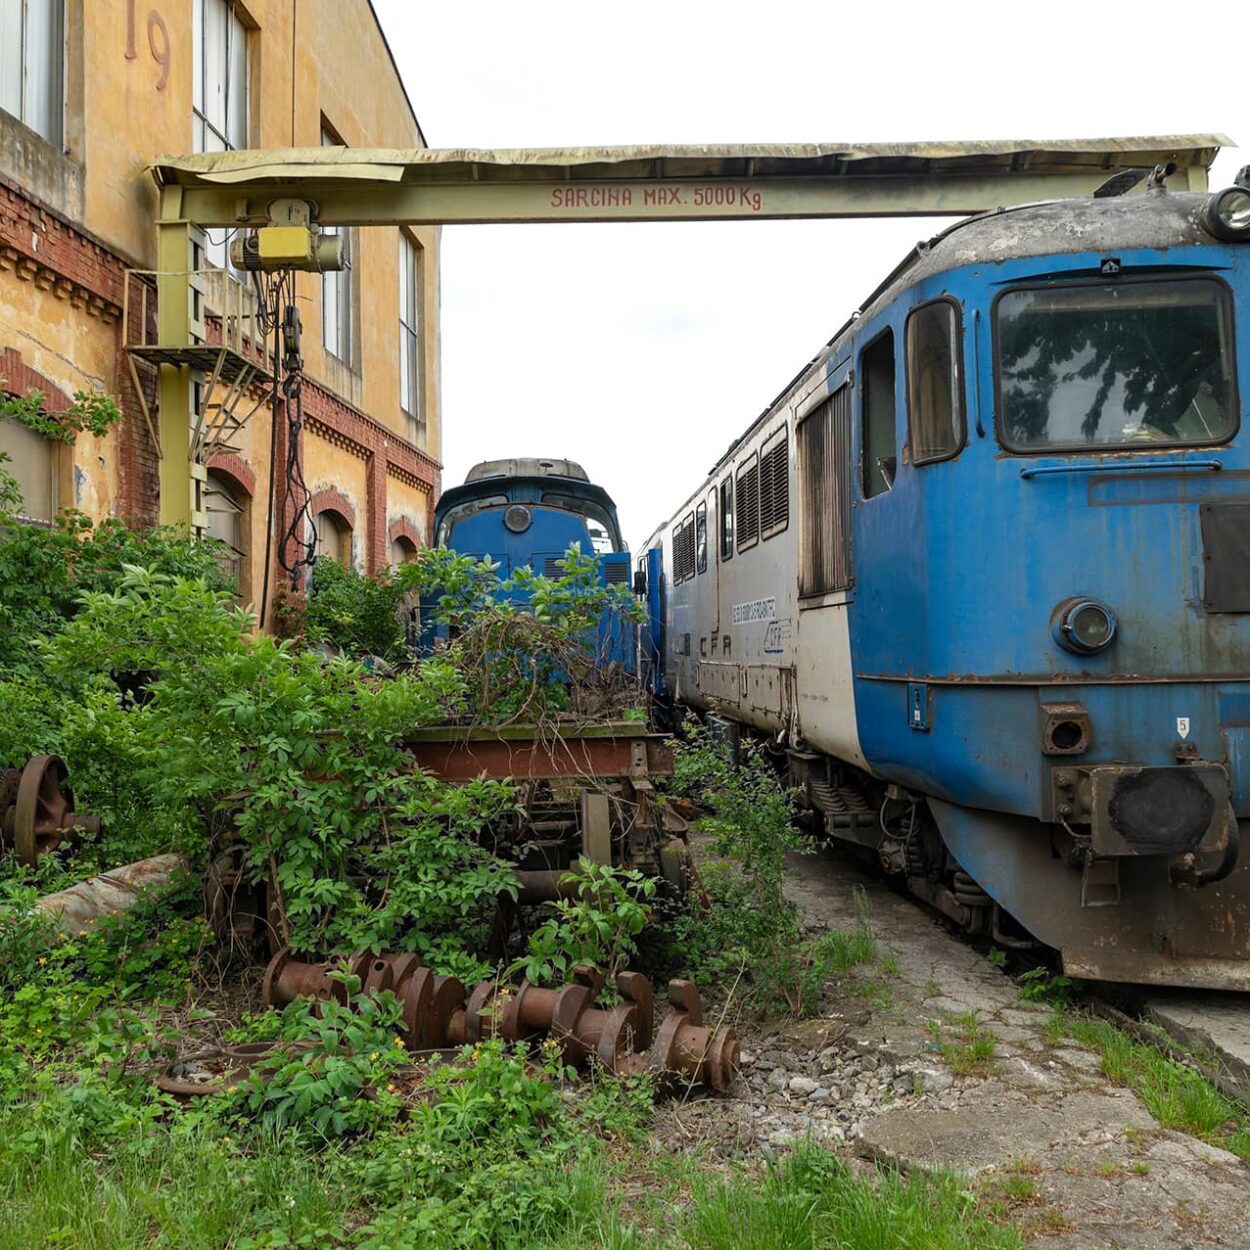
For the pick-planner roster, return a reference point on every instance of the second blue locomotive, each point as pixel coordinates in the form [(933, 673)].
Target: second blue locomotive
[(527, 513)]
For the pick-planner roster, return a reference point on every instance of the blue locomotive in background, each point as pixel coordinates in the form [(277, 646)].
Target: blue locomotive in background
[(527, 513), (981, 573)]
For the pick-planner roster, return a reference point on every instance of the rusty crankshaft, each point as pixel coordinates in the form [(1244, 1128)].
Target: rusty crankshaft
[(438, 1013)]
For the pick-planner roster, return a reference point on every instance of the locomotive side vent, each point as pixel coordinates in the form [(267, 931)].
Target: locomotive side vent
[(616, 573)]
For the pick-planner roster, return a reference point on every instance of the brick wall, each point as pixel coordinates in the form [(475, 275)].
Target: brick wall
[(40, 246)]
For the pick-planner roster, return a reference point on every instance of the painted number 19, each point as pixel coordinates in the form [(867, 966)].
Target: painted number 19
[(158, 41)]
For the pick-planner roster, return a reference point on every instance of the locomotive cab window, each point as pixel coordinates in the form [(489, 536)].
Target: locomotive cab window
[(1130, 364), (879, 454), (700, 538), (935, 400), (727, 519)]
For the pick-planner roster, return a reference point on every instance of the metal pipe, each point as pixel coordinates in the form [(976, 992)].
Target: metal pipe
[(111, 893)]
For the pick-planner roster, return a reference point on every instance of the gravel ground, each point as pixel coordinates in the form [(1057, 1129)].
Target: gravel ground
[(867, 1077)]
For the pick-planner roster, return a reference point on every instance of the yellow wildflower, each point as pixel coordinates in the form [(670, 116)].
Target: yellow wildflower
[(373, 1056)]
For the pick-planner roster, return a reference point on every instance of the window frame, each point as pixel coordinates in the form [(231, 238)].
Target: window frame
[(700, 555), (18, 470), (410, 353), (861, 397), (55, 70), (781, 436), (745, 467), (1098, 280), (344, 532), (962, 440), (725, 550), (200, 122), (340, 281), (220, 485)]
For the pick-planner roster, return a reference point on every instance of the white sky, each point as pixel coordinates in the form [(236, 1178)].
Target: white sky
[(643, 350)]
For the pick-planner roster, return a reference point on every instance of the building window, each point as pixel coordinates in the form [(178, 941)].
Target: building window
[(403, 551), (32, 462), (226, 509), (727, 519), (219, 93), (935, 398), (337, 294), (32, 64), (334, 538), (880, 459), (409, 337)]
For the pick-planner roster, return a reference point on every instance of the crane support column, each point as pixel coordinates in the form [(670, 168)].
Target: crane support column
[(178, 486)]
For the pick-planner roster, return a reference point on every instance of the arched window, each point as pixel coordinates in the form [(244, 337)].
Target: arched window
[(334, 538), (403, 551), (226, 507), (32, 461)]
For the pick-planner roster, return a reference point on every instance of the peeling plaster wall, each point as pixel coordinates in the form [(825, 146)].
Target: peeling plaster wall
[(73, 219)]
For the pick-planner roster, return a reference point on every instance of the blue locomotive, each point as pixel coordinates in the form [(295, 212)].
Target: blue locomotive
[(527, 513), (982, 575)]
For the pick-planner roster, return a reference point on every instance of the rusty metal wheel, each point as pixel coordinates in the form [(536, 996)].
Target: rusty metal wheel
[(43, 810)]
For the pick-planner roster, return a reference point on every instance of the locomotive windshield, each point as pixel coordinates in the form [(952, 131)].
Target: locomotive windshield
[(1119, 364), (604, 536)]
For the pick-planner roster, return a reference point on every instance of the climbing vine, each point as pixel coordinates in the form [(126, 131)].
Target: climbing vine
[(92, 412)]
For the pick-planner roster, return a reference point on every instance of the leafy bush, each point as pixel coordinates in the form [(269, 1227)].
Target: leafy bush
[(598, 927), (307, 757), (360, 615), (342, 1084)]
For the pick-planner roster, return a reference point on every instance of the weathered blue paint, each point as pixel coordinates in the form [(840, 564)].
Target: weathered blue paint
[(551, 531), (959, 567)]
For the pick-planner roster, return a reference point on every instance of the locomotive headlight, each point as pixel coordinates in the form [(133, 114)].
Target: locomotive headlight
[(1083, 626), (1226, 215), (517, 519)]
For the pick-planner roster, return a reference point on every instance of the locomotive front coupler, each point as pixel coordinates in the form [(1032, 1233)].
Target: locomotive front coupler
[(1179, 811)]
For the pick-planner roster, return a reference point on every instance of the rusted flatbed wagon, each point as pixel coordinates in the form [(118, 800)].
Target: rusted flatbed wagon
[(586, 790)]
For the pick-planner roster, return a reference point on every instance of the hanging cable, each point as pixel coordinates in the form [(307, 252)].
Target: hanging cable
[(297, 548)]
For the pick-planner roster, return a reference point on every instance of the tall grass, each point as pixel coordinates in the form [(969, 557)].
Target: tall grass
[(195, 1192)]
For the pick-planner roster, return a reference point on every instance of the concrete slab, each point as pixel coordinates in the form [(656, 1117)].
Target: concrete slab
[(1216, 1027)]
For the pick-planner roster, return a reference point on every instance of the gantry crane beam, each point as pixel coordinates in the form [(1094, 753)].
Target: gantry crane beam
[(385, 187)]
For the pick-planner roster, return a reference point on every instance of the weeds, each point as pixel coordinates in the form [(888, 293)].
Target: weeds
[(752, 933), (969, 1048), (1176, 1095)]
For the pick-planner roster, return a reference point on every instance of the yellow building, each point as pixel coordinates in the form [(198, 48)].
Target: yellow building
[(91, 92)]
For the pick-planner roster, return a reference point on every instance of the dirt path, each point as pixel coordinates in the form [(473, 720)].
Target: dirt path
[(1076, 1159)]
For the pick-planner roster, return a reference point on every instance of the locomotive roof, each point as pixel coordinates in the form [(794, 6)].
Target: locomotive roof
[(526, 466), (1153, 219)]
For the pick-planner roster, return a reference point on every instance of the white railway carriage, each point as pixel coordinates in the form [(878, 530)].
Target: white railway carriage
[(729, 598)]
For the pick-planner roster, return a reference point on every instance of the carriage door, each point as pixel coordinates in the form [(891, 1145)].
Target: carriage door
[(826, 699)]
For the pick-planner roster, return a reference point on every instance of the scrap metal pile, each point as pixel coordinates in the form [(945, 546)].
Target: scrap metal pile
[(440, 1013)]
